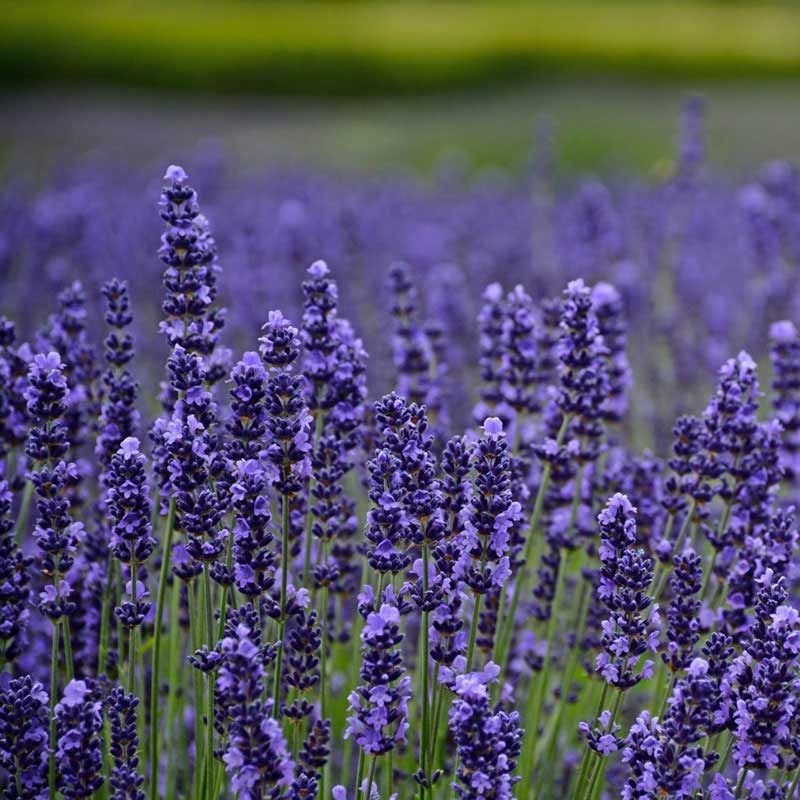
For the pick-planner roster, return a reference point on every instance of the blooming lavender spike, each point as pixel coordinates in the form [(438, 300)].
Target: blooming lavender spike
[(682, 615), (253, 540), (23, 738), (762, 681), (246, 425), (189, 253), (378, 718), (607, 304), (14, 584), (319, 336), (67, 335), (79, 722), (631, 629), (125, 781), (118, 416), (256, 758), (785, 356), (488, 742), (490, 322), (584, 386), (664, 759), (13, 426), (520, 369), (129, 512), (413, 351), (484, 562), (56, 534)]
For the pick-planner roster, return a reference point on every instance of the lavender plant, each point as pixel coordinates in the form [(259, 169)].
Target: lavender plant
[(448, 571)]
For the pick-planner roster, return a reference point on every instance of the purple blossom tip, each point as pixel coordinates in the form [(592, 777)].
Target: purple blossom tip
[(74, 692), (783, 331), (175, 174), (319, 269), (604, 294), (576, 288), (493, 293), (129, 446), (493, 426)]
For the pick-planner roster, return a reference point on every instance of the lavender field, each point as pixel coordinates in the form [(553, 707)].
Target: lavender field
[(366, 486)]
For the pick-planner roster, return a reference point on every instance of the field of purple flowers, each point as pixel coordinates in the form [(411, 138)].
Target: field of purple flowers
[(494, 506)]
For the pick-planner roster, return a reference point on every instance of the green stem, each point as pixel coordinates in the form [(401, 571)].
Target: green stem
[(425, 733), (359, 772), (707, 577), (196, 627), (53, 691), (587, 762), (155, 685), (473, 631), (537, 696), (793, 785), (276, 691), (105, 627), (599, 770), (667, 694), (69, 663), (323, 661), (371, 779), (740, 784), (209, 619), (24, 510), (173, 687), (547, 742), (132, 633)]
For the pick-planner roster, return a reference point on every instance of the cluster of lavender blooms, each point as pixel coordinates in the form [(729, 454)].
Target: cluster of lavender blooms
[(273, 581), (680, 252)]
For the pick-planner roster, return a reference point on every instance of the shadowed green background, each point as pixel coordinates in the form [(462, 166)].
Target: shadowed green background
[(374, 83)]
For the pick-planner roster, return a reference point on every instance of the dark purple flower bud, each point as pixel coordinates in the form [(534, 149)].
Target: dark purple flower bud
[(129, 514), (118, 417), (485, 539), (584, 385), (682, 615), (125, 781), (608, 308), (256, 758), (378, 718), (79, 725), (14, 584), (24, 738), (785, 356), (488, 742), (189, 253), (632, 625)]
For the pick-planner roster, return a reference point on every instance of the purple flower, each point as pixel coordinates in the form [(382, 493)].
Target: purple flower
[(24, 738), (485, 540), (631, 627), (79, 723), (378, 718), (256, 757), (125, 781), (129, 512), (488, 741), (14, 584)]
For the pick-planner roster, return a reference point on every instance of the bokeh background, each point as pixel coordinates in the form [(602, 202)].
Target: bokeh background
[(479, 141), (357, 84)]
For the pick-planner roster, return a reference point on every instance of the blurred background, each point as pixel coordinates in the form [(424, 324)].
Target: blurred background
[(478, 141), (357, 84)]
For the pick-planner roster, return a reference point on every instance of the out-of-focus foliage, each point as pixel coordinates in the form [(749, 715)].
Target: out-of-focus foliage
[(355, 48)]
